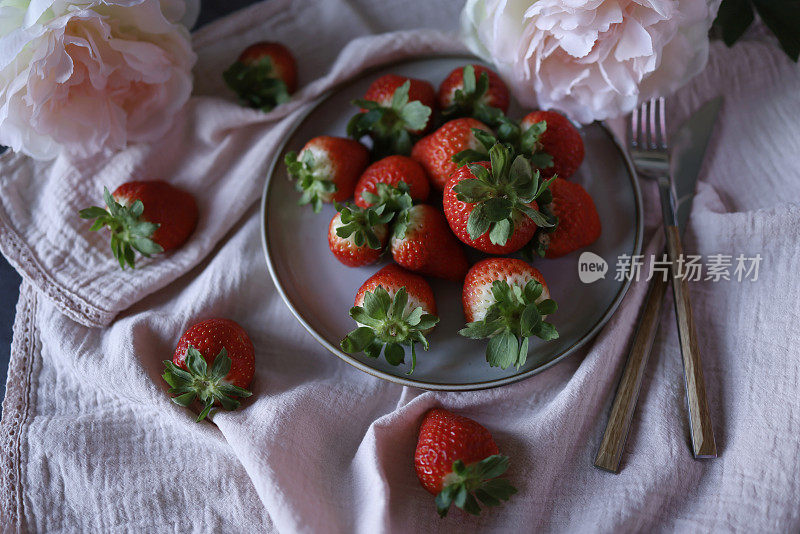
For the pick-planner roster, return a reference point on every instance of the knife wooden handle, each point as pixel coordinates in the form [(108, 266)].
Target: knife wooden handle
[(703, 443), (624, 405)]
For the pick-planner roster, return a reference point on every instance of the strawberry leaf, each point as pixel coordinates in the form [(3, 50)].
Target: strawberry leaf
[(501, 194), (469, 99), (257, 85), (312, 180), (467, 484), (516, 314), (394, 203), (390, 127), (362, 225), (128, 230), (467, 156), (387, 325), (198, 382), (502, 350)]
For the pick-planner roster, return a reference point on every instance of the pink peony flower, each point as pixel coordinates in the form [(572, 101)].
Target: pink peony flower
[(90, 77), (592, 59)]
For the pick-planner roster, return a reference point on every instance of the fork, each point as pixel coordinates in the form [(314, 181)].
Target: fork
[(648, 149)]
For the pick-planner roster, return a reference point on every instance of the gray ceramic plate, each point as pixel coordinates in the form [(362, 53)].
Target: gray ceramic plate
[(319, 290)]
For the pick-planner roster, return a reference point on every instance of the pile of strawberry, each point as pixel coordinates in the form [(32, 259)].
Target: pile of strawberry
[(480, 179), (503, 189)]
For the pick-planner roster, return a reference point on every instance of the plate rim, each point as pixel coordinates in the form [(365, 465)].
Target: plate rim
[(411, 382)]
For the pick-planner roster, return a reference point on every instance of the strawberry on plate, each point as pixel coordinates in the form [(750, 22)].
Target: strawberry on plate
[(393, 308), (471, 91), (149, 217), (435, 151), (506, 300), (357, 236), (491, 205), (327, 169), (423, 243), (213, 363), (391, 171), (393, 110), (264, 75), (578, 221), (457, 460), (560, 139)]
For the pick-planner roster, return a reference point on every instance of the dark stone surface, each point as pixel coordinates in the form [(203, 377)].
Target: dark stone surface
[(10, 280)]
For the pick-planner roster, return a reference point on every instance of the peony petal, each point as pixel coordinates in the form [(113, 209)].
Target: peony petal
[(578, 45), (634, 42)]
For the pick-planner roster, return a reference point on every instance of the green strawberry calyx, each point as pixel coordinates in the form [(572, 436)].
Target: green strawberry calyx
[(470, 99), (199, 382), (501, 194), (395, 200), (390, 126), (361, 223), (509, 133), (468, 484), (257, 84), (531, 146), (129, 231), (537, 246), (516, 314), (386, 326), (312, 181)]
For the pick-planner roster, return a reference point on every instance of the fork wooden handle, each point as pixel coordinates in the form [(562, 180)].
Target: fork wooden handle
[(624, 405), (703, 443)]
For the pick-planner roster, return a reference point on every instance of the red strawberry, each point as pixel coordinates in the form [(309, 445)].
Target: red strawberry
[(150, 217), (391, 171), (393, 109), (458, 461), (357, 236), (213, 363), (561, 140), (392, 308), (264, 75), (468, 90), (491, 206), (383, 91), (578, 221), (423, 243), (506, 300), (435, 152), (327, 169)]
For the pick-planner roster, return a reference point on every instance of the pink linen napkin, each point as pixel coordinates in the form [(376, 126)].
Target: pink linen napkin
[(90, 441)]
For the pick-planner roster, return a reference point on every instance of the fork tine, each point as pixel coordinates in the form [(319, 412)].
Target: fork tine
[(662, 123), (633, 128), (654, 122), (651, 124)]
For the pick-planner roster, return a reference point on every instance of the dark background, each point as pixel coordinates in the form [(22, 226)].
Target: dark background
[(10, 280)]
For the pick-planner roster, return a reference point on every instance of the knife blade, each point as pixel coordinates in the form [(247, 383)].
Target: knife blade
[(688, 149)]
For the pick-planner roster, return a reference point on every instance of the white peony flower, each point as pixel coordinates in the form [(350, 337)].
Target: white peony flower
[(88, 77), (592, 59)]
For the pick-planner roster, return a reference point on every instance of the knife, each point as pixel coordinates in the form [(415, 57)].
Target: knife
[(688, 149)]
